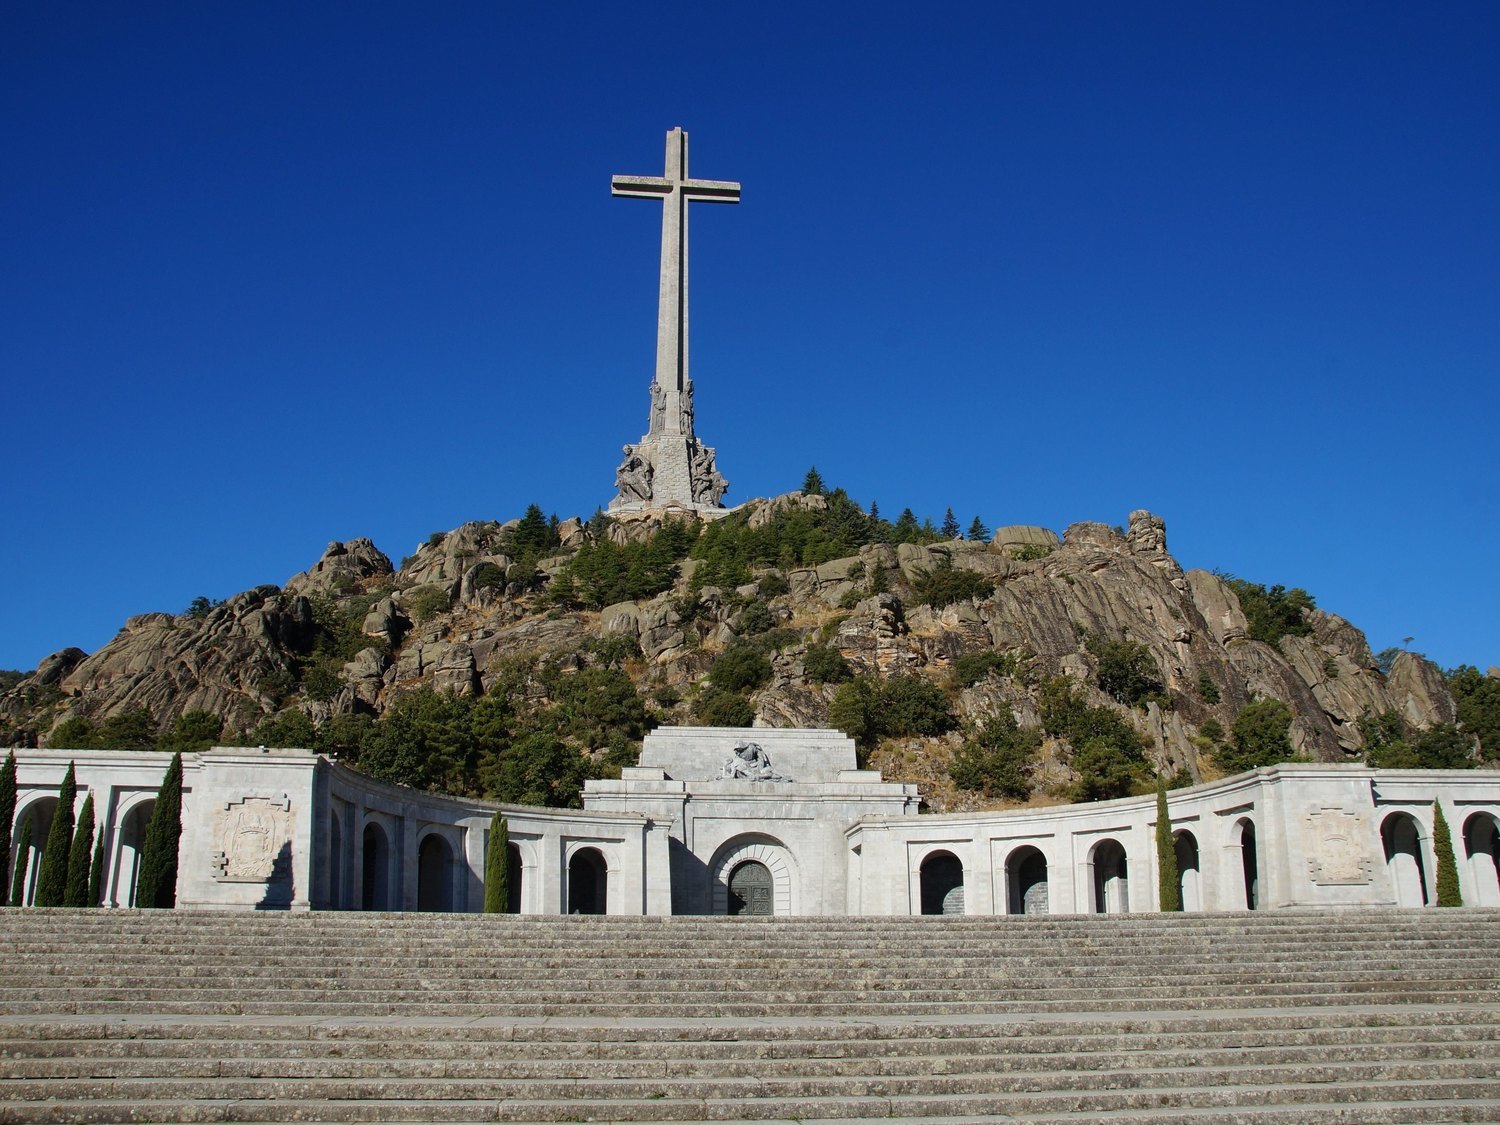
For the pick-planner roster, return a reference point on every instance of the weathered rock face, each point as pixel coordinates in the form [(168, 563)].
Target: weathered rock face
[(249, 657)]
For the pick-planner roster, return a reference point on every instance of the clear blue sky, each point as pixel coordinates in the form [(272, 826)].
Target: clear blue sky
[(275, 274)]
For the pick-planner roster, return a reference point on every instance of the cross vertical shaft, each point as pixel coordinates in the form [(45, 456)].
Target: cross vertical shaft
[(672, 384)]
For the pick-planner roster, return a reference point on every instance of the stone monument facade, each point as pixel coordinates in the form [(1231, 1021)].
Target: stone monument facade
[(669, 467)]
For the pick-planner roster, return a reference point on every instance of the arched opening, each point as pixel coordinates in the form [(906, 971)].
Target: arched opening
[(1482, 846), (335, 864), (588, 882), (375, 848), (1026, 878), (39, 814), (1403, 859), (1111, 878), (751, 889), (942, 877), (765, 851), (1250, 865), (1185, 844), (434, 874), (129, 849), (513, 877)]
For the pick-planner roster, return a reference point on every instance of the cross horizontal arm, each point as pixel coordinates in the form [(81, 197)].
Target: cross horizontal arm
[(654, 187)]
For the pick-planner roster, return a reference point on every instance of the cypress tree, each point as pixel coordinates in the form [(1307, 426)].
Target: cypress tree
[(77, 892), (23, 853), (52, 879), (7, 814), (1166, 852), (497, 867), (157, 886), (96, 874), (1448, 891)]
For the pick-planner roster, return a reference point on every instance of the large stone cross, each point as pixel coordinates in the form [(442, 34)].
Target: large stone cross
[(674, 415)]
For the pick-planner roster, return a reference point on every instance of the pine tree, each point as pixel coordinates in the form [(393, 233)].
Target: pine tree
[(812, 484), (96, 874), (23, 854), (497, 867), (7, 815), (950, 525), (1448, 890), (52, 879), (77, 891), (978, 533), (1166, 852), (157, 886)]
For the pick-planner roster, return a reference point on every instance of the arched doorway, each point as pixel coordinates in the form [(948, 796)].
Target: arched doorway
[(766, 852), (1185, 844), (942, 878), (128, 851), (39, 814), (376, 852), (1111, 878), (751, 889), (434, 874), (1402, 838), (1026, 878), (513, 879), (1250, 865), (1482, 846), (588, 882)]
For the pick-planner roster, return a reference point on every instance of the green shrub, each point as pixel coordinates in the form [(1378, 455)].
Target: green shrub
[(944, 584), (1212, 729), (718, 708), (868, 709), (1208, 691), (998, 759), (972, 667), (612, 649), (1030, 552), (321, 682), (1478, 699), (1109, 754), (488, 576), (192, 731), (772, 585), (1258, 737), (74, 733), (740, 668), (1273, 613), (825, 665), (755, 618), (1127, 671), (426, 602)]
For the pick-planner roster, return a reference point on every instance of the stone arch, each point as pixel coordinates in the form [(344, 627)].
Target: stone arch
[(941, 877), (588, 882), (40, 811), (130, 846), (1482, 849), (1401, 836), (1189, 879), (1244, 834), (767, 851), (1111, 866), (434, 874), (375, 859), (1027, 889)]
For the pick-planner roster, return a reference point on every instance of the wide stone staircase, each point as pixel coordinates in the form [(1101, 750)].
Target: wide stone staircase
[(1365, 1015)]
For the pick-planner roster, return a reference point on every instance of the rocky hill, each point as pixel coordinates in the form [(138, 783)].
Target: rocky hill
[(995, 632)]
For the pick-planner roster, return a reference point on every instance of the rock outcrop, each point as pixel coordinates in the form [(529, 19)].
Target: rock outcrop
[(351, 632)]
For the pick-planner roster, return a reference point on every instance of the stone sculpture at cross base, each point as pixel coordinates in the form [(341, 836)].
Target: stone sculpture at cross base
[(669, 467)]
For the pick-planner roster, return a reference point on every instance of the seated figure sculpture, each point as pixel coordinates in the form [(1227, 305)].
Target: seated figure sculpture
[(750, 763)]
